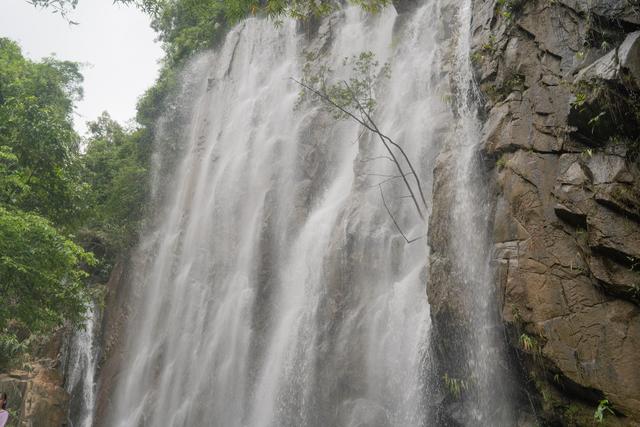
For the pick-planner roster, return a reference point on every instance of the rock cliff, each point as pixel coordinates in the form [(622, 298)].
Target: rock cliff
[(36, 394), (561, 118)]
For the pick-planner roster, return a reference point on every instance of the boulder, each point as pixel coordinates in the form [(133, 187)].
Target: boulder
[(621, 60)]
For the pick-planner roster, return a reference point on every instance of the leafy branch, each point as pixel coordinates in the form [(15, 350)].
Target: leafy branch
[(354, 99)]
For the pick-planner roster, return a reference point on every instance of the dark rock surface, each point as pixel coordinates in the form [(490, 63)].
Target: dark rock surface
[(561, 125)]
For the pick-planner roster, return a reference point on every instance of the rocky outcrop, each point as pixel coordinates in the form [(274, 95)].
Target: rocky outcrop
[(36, 397), (561, 126), (36, 392)]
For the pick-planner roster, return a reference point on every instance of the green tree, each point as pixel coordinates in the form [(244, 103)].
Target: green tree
[(42, 198), (187, 26), (41, 279), (115, 168), (39, 146)]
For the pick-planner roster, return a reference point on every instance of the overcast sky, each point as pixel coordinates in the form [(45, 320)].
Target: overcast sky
[(115, 43)]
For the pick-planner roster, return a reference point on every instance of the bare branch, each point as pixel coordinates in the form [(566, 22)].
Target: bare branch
[(359, 136), (384, 202), (385, 181), (386, 145), (390, 141), (370, 159), (424, 201), (383, 175)]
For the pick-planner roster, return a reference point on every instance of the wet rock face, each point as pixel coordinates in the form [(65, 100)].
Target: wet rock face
[(561, 122), (36, 398), (623, 10)]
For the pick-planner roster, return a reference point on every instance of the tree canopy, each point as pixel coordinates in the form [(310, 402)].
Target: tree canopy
[(42, 196), (116, 169), (37, 140)]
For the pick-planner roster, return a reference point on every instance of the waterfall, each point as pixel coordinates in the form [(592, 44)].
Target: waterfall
[(80, 363), (491, 402), (274, 288)]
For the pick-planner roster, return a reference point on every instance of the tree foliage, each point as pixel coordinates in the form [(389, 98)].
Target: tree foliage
[(38, 145), (187, 26), (115, 168), (42, 283), (42, 197)]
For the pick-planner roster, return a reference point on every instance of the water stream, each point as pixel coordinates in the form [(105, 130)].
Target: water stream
[(490, 399), (80, 363)]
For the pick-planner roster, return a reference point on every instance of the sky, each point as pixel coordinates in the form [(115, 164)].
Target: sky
[(114, 43)]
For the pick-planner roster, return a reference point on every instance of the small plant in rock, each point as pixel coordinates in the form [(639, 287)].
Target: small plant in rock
[(13, 415), (501, 162), (531, 346), (588, 153), (581, 99), (477, 58), (517, 317), (581, 236), (490, 46), (10, 347), (455, 386), (594, 121), (527, 343), (546, 396), (603, 407), (512, 82), (515, 82), (508, 8)]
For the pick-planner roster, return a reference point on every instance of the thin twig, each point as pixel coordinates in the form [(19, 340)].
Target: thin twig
[(385, 181), (384, 202), (370, 159), (383, 175), (359, 136)]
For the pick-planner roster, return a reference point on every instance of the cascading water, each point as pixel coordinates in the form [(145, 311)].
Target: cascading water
[(491, 400), (80, 363), (275, 289)]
